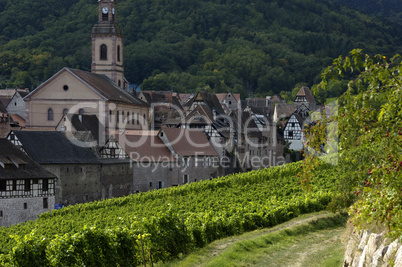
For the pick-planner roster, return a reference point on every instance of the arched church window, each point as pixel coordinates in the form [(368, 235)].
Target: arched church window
[(119, 83), (103, 52), (118, 53), (50, 114), (81, 111)]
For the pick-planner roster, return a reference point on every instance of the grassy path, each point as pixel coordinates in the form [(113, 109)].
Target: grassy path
[(310, 240)]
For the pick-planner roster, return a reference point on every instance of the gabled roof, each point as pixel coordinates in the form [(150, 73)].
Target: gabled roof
[(188, 142), (50, 147), (209, 99), (276, 98), (100, 84), (203, 111), (185, 97), (284, 110), (298, 118), (145, 148), (222, 96), (10, 154), (305, 91), (5, 100)]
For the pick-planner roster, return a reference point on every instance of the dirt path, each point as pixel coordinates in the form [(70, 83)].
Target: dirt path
[(311, 249)]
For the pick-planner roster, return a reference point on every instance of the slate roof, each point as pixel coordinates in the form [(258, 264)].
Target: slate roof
[(10, 154), (50, 147), (189, 142), (106, 87), (145, 148)]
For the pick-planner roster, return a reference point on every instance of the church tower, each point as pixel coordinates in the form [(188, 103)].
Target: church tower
[(107, 44)]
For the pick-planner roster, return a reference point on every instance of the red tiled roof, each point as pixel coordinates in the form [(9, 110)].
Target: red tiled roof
[(145, 148), (189, 142)]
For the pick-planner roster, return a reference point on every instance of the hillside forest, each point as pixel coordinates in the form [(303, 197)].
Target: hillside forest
[(254, 48)]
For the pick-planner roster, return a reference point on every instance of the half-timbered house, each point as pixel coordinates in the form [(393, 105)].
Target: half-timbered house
[(293, 132), (26, 188)]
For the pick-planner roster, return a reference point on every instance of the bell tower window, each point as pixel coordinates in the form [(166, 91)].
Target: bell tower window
[(118, 53), (103, 52), (105, 14)]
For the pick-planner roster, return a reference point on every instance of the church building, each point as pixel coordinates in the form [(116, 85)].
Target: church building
[(102, 92)]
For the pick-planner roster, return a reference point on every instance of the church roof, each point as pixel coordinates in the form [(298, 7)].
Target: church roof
[(101, 84), (50, 147), (105, 87)]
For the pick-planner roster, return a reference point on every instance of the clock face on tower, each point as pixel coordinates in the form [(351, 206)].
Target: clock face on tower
[(105, 10)]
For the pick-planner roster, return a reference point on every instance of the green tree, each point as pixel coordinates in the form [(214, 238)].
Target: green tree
[(370, 138)]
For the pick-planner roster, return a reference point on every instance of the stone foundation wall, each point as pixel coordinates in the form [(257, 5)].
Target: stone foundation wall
[(372, 250)]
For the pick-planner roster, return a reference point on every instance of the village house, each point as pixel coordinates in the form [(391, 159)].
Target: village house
[(164, 106), (17, 105), (291, 118), (76, 167), (229, 101), (196, 156), (152, 163), (26, 188)]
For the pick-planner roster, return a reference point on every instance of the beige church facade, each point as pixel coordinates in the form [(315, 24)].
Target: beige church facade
[(101, 92)]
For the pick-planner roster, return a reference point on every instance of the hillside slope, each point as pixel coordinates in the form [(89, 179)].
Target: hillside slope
[(245, 46)]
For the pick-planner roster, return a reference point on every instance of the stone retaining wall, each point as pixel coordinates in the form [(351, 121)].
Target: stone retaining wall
[(372, 250)]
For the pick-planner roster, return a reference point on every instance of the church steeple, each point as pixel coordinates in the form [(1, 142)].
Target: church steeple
[(107, 44)]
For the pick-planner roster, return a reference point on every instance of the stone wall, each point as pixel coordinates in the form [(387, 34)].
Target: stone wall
[(76, 183), (116, 178), (372, 250), (17, 210)]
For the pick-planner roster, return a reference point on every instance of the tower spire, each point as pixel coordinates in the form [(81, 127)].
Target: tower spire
[(107, 44)]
